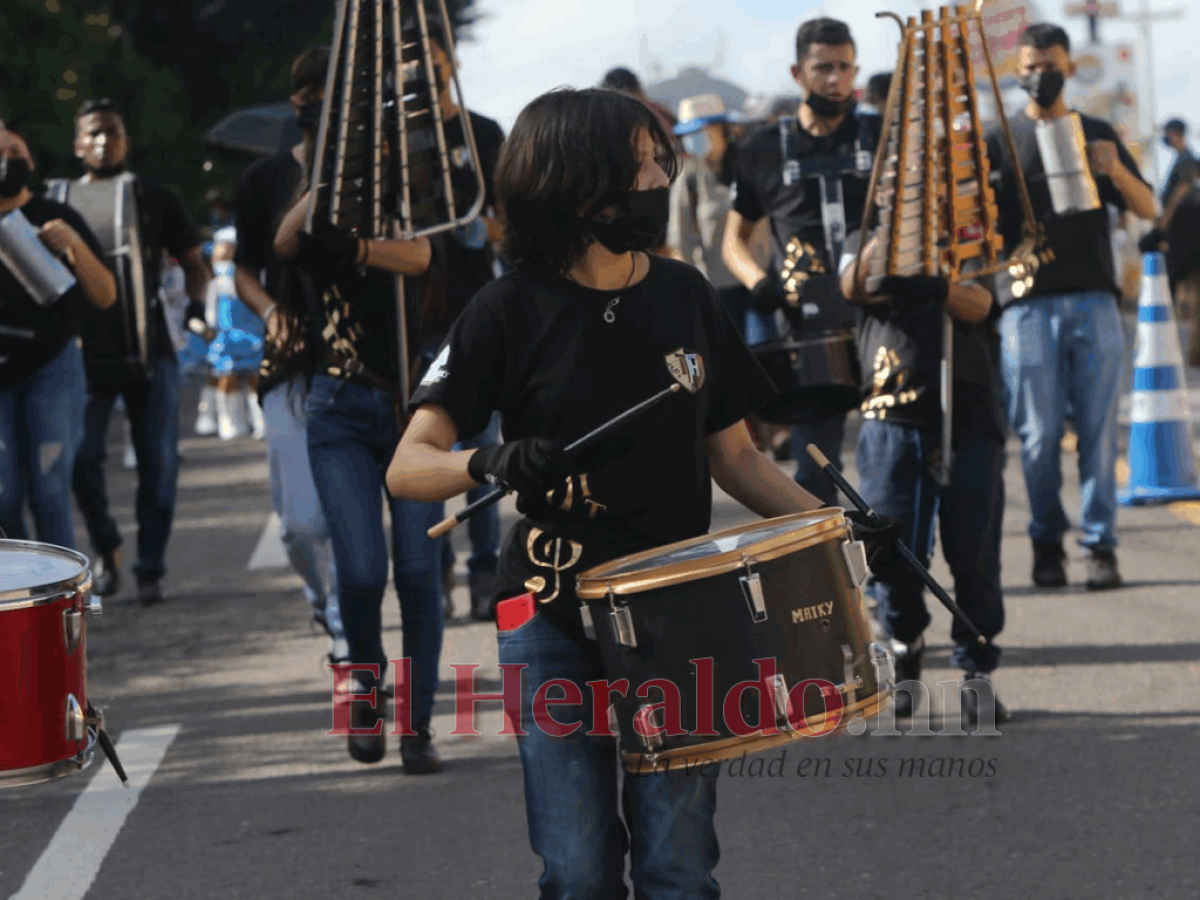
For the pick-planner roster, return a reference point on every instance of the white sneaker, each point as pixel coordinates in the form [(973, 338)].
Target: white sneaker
[(231, 418), (258, 425), (206, 418)]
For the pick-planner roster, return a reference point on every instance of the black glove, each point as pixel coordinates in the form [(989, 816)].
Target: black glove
[(767, 295), (329, 249), (1153, 241), (910, 293), (879, 535), (530, 465)]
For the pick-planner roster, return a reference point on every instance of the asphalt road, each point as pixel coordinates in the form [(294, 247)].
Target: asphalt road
[(219, 702)]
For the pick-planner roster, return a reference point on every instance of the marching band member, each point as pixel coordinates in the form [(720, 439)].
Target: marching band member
[(41, 366), (582, 329), (151, 395)]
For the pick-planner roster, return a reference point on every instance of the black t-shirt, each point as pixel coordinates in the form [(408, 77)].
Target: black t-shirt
[(1183, 171), (795, 209), (466, 269), (537, 348), (266, 192), (1083, 259), (900, 351), (32, 335)]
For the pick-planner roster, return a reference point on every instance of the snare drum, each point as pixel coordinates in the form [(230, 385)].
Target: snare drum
[(816, 377), (46, 727), (738, 641)]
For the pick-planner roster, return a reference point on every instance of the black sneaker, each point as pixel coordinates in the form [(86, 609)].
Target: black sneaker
[(908, 668), (107, 579), (1102, 574), (970, 700), (482, 608), (149, 590), (367, 748), (418, 754), (1048, 565)]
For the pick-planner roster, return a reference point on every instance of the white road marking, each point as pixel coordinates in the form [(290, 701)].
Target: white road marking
[(67, 868), (269, 552)]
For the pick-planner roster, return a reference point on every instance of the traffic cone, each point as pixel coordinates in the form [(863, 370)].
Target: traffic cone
[(1162, 466)]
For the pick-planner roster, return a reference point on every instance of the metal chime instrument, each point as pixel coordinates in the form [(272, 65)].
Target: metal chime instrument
[(930, 185), (382, 166)]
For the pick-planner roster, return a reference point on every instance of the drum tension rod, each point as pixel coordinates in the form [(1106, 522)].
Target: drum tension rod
[(622, 621), (752, 591)]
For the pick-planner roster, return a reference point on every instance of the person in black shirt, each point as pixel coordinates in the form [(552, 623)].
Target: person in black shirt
[(1179, 225), (768, 183), (151, 397), (267, 191), (581, 330), (1063, 341), (900, 336), (41, 366)]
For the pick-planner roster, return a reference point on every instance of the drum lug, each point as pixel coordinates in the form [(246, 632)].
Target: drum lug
[(885, 666), (856, 560), (95, 605), (589, 627), (75, 724), (783, 701), (849, 687), (752, 591), (72, 629), (649, 731), (622, 622)]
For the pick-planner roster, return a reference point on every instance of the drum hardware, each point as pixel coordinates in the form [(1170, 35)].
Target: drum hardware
[(72, 628), (75, 727), (622, 622), (856, 561), (35, 268), (752, 591), (915, 564), (649, 730), (782, 700), (883, 664), (1063, 150), (589, 627), (582, 443), (852, 683)]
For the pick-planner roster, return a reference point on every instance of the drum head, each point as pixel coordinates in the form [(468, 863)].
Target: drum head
[(706, 555), (31, 571)]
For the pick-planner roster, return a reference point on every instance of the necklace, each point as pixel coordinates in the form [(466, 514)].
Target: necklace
[(610, 315)]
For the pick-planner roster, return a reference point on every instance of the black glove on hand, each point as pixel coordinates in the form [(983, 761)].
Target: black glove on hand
[(913, 292), (530, 465), (330, 248), (878, 534), (767, 295)]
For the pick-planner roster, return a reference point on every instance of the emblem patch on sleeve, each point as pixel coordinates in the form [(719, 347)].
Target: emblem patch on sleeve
[(439, 369), (686, 368)]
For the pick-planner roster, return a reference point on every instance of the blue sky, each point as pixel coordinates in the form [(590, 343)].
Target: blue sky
[(525, 47)]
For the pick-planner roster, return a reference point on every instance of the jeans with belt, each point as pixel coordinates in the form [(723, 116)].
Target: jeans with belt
[(352, 434), (574, 797)]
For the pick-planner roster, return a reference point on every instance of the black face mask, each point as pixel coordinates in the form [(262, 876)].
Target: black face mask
[(308, 117), (1044, 87), (640, 222), (824, 108), (14, 174)]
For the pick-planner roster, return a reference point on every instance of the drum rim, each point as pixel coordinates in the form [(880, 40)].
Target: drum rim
[(51, 770), (595, 584), (39, 594)]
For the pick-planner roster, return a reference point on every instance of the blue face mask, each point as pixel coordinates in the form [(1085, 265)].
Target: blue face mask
[(698, 143)]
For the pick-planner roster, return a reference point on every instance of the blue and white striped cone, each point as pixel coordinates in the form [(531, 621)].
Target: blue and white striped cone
[(1162, 467)]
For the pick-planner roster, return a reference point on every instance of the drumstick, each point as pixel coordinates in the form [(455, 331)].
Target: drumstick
[(938, 591), (111, 752), (581, 444)]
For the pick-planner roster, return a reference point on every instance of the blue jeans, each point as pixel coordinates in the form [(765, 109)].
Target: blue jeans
[(294, 497), (153, 409), (41, 424), (1065, 353), (828, 434), (352, 434), (483, 528), (895, 467), (574, 800)]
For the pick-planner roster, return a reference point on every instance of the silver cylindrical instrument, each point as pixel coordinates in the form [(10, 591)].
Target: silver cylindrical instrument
[(34, 267), (1064, 158)]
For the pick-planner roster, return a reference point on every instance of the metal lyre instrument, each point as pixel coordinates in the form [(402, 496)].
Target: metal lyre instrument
[(931, 208), (119, 341), (382, 166)]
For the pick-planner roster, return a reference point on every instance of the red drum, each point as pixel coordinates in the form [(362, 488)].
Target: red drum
[(738, 641), (46, 727)]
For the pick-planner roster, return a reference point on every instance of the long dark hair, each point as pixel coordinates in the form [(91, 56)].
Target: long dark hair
[(570, 154)]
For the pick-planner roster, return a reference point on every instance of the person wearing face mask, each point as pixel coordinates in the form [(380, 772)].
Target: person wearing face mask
[(1179, 229), (700, 198), (768, 184), (581, 330), (150, 392), (271, 289), (41, 367), (1063, 340)]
